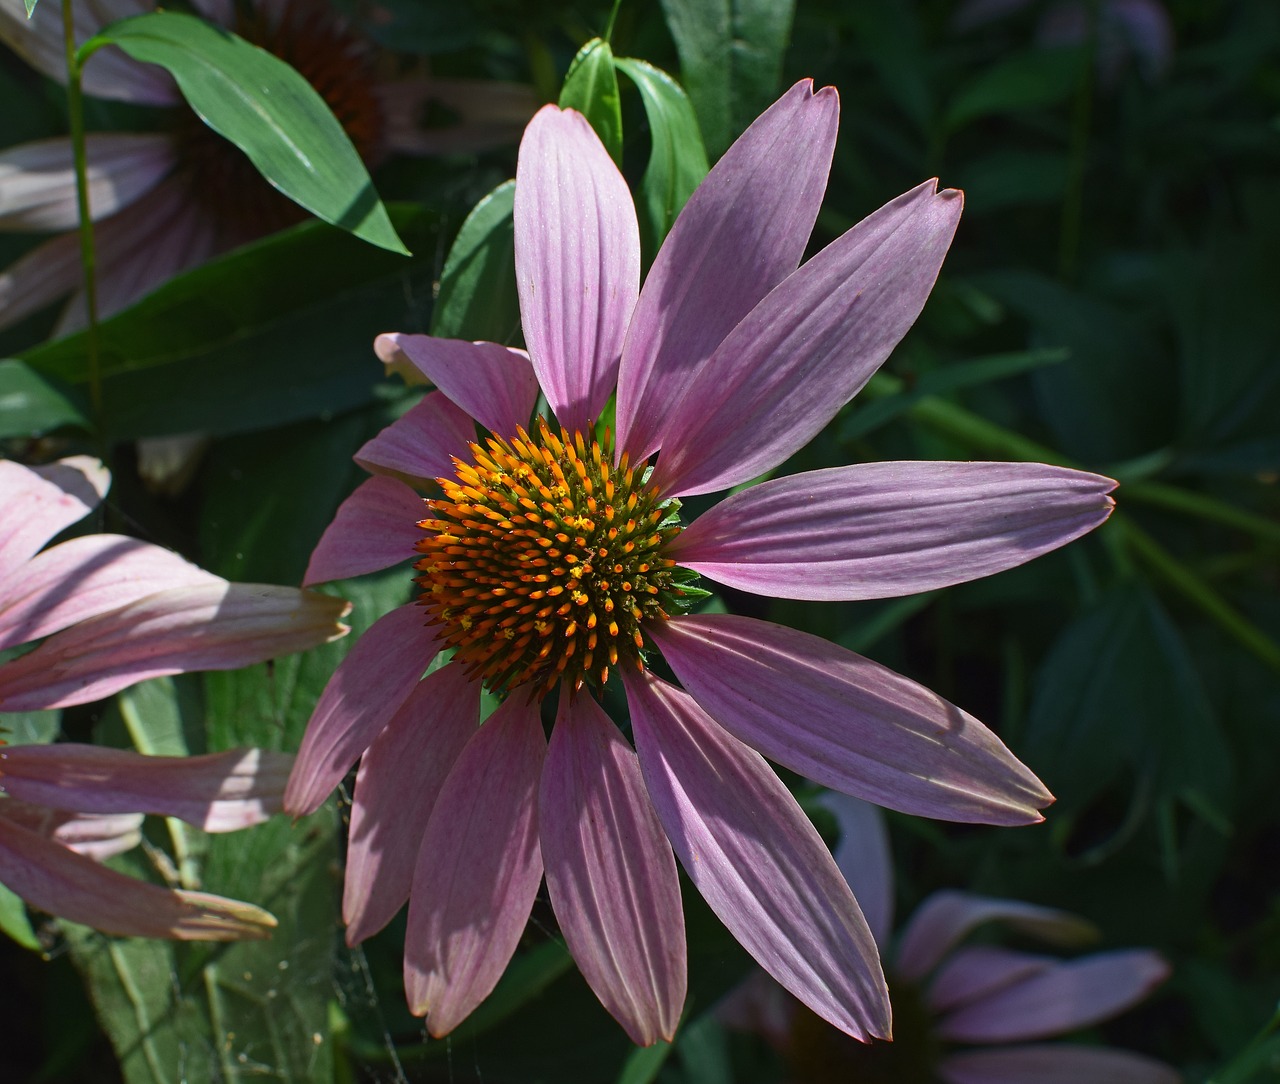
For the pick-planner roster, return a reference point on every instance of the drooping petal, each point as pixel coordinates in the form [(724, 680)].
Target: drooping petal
[(947, 917), (375, 528), (495, 384), (742, 232), (46, 273), (1054, 1063), (611, 873), (84, 577), (219, 792), (862, 855), (41, 501), (879, 530), (400, 776), (490, 114), (756, 859), (973, 972), (218, 626), (38, 181), (847, 722), (417, 446), (94, 835), (478, 870), (365, 692), (1059, 999), (577, 262), (808, 347), (52, 878)]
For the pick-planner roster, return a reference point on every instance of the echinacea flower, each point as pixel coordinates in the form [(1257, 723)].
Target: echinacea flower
[(112, 611), (552, 557), (998, 1002), (168, 200)]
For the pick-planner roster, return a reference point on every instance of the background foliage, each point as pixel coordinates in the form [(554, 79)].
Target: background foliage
[(1110, 302)]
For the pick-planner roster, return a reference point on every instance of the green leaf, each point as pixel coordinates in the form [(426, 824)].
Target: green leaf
[(29, 727), (32, 404), (645, 1063), (478, 297), (31, 7), (1025, 81), (591, 87), (14, 922), (274, 332), (677, 160), (730, 60), (266, 109)]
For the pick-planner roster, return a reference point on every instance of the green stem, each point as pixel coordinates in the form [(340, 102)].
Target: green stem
[(1177, 499), (75, 109)]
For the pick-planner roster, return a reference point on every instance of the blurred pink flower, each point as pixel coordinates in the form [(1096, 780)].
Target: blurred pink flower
[(113, 611), (169, 200), (549, 562), (999, 1002)]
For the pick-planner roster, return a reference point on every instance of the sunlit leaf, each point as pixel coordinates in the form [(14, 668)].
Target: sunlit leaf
[(591, 87), (32, 404), (478, 298), (14, 922)]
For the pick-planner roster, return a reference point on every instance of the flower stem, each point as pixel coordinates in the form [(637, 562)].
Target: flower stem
[(75, 109)]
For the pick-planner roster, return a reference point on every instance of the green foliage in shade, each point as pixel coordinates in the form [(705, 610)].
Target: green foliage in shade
[(730, 60), (591, 87), (274, 332), (677, 158), (31, 403), (1024, 82), (267, 110), (478, 297)]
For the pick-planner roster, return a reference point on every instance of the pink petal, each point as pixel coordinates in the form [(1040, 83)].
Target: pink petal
[(38, 181), (94, 835), (219, 792), (39, 502), (46, 273), (808, 347), (879, 530), (1054, 1063), (85, 577), (847, 722), (611, 873), (375, 528), (864, 859), (490, 114), (974, 972), (365, 692), (218, 626), (946, 918), (400, 776), (756, 859), (478, 870), (577, 262), (741, 233), (495, 384), (1059, 999), (57, 880), (418, 446)]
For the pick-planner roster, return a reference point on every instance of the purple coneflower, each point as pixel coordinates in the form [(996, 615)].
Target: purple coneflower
[(113, 611), (552, 556)]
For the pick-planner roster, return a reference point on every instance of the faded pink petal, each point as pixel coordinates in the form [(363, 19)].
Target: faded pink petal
[(495, 384), (611, 873), (946, 918), (577, 248), (756, 859), (217, 626), (491, 114), (94, 835), (46, 273), (38, 182), (219, 792), (57, 880), (742, 232), (400, 775), (39, 502), (863, 857), (974, 972), (84, 577), (1059, 999), (880, 530), (417, 446), (808, 347), (847, 722), (478, 870), (375, 528), (365, 692), (1054, 1063)]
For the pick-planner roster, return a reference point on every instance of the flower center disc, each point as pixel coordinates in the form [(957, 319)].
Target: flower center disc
[(543, 558)]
